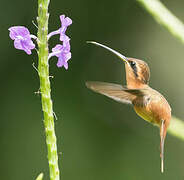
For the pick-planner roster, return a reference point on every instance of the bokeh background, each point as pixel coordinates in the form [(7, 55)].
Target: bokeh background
[(97, 137)]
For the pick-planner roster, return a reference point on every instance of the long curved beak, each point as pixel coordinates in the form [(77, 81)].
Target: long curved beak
[(122, 57)]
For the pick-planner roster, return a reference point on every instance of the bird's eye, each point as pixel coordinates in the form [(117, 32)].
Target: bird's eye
[(134, 67), (132, 64)]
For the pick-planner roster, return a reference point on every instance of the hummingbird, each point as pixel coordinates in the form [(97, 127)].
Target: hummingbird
[(148, 103)]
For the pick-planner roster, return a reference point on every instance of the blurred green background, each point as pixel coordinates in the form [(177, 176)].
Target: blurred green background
[(99, 138)]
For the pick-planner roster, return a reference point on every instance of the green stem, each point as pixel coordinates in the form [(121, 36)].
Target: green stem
[(164, 17), (176, 128), (43, 71)]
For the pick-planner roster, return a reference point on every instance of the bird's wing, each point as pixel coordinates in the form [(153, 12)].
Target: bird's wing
[(115, 91)]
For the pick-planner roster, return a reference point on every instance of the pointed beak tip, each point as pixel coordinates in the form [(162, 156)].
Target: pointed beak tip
[(122, 57), (90, 42)]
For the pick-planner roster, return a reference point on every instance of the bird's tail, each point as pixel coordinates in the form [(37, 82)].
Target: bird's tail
[(163, 130)]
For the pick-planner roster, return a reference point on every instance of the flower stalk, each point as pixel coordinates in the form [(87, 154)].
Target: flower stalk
[(43, 72), (23, 41)]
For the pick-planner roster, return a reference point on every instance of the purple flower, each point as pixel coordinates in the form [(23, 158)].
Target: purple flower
[(63, 53), (65, 22), (22, 38)]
